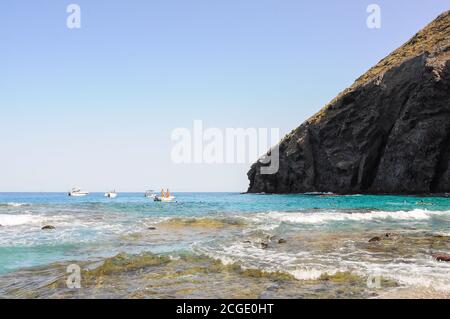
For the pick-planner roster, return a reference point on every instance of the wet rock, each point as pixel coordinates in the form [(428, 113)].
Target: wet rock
[(281, 241), (48, 227), (441, 257), (247, 242), (391, 236), (264, 245), (151, 228), (441, 237), (374, 239)]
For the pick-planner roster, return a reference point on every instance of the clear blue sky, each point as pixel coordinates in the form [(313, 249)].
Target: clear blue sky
[(96, 106)]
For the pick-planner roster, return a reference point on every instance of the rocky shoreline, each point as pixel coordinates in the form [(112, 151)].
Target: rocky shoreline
[(149, 275)]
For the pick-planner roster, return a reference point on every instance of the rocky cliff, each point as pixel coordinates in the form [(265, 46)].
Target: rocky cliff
[(388, 133)]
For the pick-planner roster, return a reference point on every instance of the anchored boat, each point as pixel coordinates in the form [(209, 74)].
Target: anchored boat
[(111, 194), (150, 194), (77, 192), (164, 197)]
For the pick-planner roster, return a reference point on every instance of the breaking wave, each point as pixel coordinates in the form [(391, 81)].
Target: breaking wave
[(333, 216), (14, 204), (15, 220)]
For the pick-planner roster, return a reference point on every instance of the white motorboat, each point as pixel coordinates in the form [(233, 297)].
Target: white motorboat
[(77, 192), (164, 199), (111, 194), (150, 194)]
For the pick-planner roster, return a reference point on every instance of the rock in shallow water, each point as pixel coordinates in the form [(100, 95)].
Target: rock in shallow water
[(374, 239), (386, 236), (48, 227), (441, 257), (391, 236)]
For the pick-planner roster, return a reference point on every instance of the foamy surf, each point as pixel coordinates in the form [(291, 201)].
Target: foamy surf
[(309, 273), (15, 220), (14, 204), (422, 273), (333, 216), (248, 256), (310, 265)]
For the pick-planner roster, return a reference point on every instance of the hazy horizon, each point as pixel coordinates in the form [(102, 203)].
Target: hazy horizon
[(95, 107)]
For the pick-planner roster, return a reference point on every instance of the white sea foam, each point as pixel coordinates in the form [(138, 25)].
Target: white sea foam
[(420, 271), (248, 256), (14, 204), (20, 219), (25, 229), (308, 273), (319, 193), (333, 216)]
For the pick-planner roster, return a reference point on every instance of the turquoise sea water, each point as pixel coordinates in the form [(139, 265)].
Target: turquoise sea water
[(96, 227)]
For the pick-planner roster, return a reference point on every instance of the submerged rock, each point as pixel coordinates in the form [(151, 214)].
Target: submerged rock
[(281, 241), (374, 239), (386, 236), (151, 228), (441, 257), (391, 236), (388, 133), (48, 227)]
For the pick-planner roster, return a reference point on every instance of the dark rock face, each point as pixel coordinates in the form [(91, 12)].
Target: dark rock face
[(388, 133)]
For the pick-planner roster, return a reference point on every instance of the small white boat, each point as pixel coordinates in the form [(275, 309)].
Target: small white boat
[(150, 194), (111, 194), (163, 199), (77, 192)]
